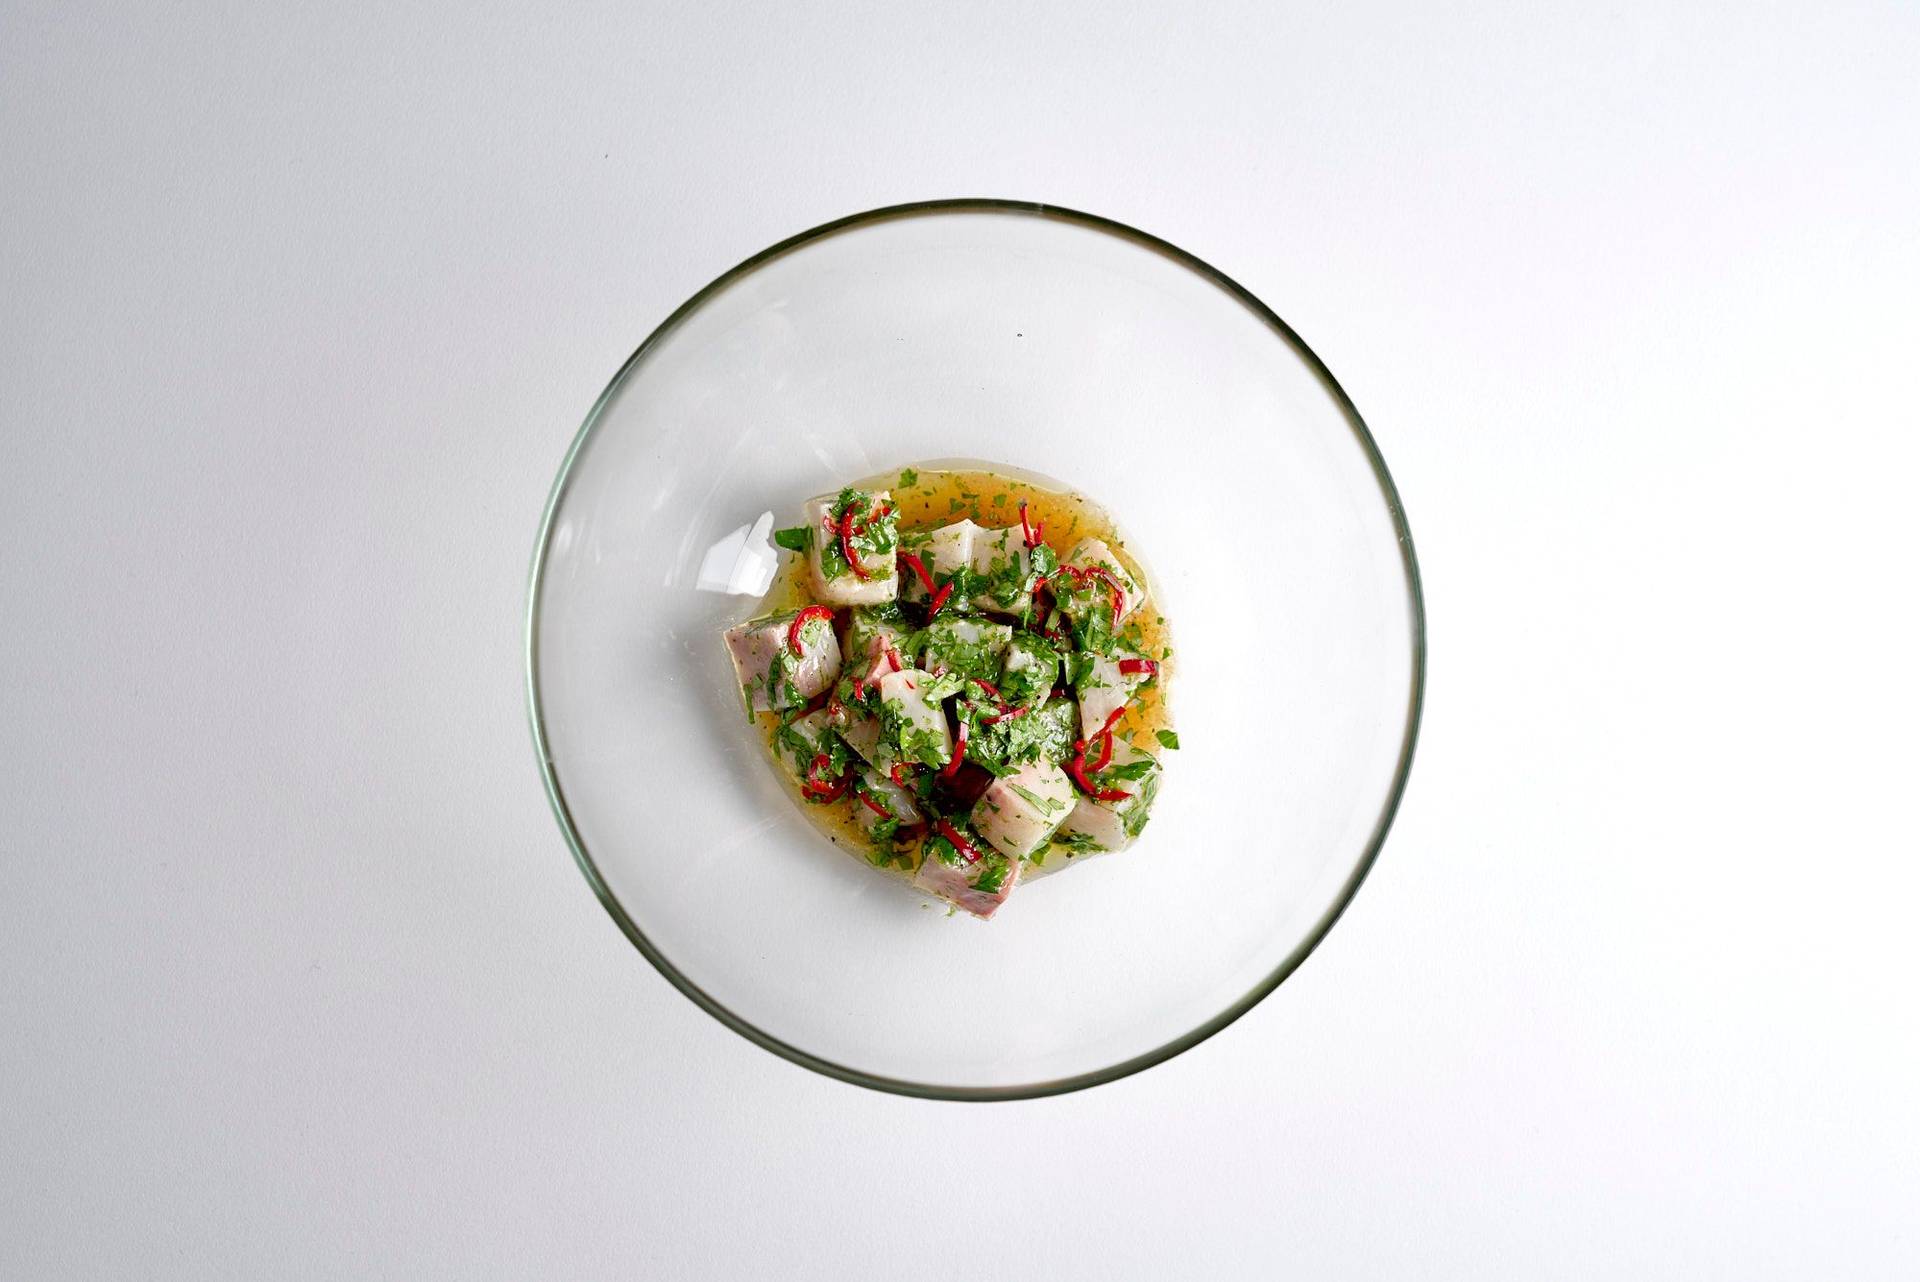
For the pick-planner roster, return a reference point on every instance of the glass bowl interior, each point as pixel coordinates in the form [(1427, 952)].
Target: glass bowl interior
[(1055, 344)]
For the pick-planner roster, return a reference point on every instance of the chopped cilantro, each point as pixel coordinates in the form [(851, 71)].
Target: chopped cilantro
[(1133, 770), (1041, 804), (797, 538), (1167, 738), (908, 477), (993, 874)]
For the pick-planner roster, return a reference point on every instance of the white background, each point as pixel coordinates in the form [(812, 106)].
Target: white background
[(299, 307)]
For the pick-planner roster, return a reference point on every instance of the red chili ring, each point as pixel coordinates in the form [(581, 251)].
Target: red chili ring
[(801, 620)]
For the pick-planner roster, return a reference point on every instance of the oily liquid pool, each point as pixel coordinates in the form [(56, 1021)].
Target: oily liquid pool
[(928, 498)]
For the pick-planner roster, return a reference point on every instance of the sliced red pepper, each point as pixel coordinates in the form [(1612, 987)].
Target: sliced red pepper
[(893, 660), (801, 620), (1106, 753), (919, 569), (896, 770), (1134, 666), (959, 753), (938, 596), (1077, 765), (992, 690), (1030, 532), (952, 834), (866, 799), (817, 789), (1006, 713), (846, 545), (1119, 594)]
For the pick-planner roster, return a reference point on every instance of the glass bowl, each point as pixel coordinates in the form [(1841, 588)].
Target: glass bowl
[(1060, 345)]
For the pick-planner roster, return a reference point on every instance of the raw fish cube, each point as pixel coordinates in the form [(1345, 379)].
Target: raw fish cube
[(834, 582), (770, 675)]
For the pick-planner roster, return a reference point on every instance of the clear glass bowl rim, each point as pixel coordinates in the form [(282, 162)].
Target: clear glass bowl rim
[(1207, 1028)]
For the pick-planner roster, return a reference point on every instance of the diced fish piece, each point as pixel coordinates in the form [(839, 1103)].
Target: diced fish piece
[(1000, 557), (889, 796), (1097, 826), (969, 646), (942, 551), (871, 629), (1019, 812), (915, 724), (797, 743), (1030, 669), (847, 587), (979, 888), (1055, 719), (865, 735), (771, 676), (1104, 689), (1092, 552)]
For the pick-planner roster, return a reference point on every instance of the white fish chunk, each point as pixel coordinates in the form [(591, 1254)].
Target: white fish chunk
[(898, 803), (943, 551), (1019, 813), (1097, 826), (800, 741), (1030, 669), (770, 675), (1104, 689), (847, 587), (1001, 556), (863, 733), (916, 724), (971, 647), (1092, 552), (979, 887), (871, 630)]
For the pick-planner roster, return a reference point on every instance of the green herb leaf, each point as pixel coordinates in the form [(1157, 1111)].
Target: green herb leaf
[(908, 477), (796, 538), (993, 874), (1167, 738)]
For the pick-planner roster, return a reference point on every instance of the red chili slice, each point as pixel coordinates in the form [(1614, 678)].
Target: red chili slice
[(1077, 765), (1133, 666), (919, 569), (801, 620), (960, 843), (817, 789), (1113, 586), (1077, 769), (866, 799), (938, 595), (1030, 532), (1106, 753), (894, 772), (959, 753), (846, 545)]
